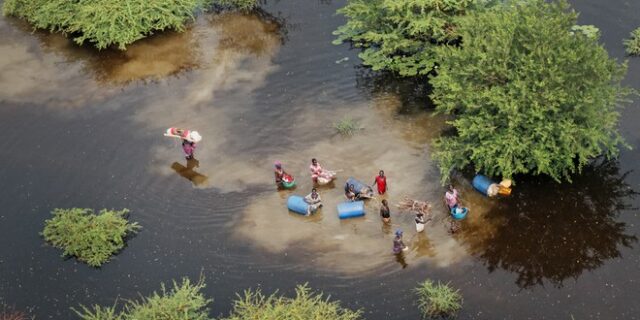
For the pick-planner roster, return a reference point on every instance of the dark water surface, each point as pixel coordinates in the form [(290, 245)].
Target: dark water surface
[(84, 129)]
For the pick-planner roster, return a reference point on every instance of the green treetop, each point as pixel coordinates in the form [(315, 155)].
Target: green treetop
[(527, 94), (399, 35)]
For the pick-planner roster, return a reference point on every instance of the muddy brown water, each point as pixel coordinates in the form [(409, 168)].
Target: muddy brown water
[(84, 128)]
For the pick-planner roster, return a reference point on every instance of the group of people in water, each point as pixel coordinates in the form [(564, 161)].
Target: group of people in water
[(321, 176)]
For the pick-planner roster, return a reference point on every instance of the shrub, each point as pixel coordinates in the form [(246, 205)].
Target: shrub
[(184, 301), (238, 4), (438, 299), (633, 44), (346, 126), (306, 305), (528, 95), (89, 237), (105, 22), (10, 313), (399, 35)]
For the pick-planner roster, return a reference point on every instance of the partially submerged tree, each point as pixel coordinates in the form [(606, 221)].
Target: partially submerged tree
[(399, 35), (306, 305), (632, 45), (183, 301), (92, 238), (104, 23), (527, 94)]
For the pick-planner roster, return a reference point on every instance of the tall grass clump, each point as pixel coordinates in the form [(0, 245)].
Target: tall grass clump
[(91, 238), (106, 23), (183, 301), (632, 44), (306, 305), (346, 126), (243, 5), (10, 313), (438, 300)]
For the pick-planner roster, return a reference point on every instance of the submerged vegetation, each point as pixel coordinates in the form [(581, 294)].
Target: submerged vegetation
[(400, 35), (632, 45), (185, 301), (346, 126), (438, 300), (528, 95), (104, 23), (92, 238), (306, 305)]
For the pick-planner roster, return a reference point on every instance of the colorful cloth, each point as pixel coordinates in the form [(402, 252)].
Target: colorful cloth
[(189, 148), (451, 198), (381, 183), (398, 245)]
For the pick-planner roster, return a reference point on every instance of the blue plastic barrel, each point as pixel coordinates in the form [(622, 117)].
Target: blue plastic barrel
[(482, 184), (297, 204), (351, 209), (459, 215), (357, 185)]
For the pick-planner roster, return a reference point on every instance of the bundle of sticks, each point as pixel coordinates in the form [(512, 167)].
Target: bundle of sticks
[(415, 206)]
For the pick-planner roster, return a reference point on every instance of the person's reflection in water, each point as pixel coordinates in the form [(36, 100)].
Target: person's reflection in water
[(189, 173), (400, 259)]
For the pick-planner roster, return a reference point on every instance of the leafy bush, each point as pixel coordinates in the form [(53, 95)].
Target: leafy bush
[(633, 44), (346, 126), (105, 22), (528, 95), (89, 237), (238, 4), (399, 35), (306, 305), (438, 299), (184, 301)]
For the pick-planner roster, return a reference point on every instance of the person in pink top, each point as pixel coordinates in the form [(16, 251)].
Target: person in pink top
[(320, 175), (189, 148), (451, 197)]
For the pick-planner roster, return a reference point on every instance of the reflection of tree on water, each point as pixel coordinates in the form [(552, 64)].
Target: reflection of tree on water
[(556, 231), (413, 91)]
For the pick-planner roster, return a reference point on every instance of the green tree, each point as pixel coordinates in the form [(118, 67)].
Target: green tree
[(632, 45), (399, 35), (92, 238), (527, 94), (183, 301)]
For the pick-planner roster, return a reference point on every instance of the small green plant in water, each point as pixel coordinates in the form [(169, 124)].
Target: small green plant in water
[(183, 301), (347, 126), (306, 305), (92, 238), (633, 44), (437, 300)]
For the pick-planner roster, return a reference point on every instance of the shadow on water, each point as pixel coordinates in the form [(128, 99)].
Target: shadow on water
[(547, 232), (189, 173)]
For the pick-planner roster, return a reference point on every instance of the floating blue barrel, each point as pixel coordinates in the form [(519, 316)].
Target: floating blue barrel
[(482, 184), (459, 213), (351, 209), (297, 204)]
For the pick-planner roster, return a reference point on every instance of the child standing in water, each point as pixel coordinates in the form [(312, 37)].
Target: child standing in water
[(381, 182), (189, 148), (398, 244), (385, 213), (420, 221)]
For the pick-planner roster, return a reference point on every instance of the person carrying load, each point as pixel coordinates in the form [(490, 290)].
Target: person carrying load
[(319, 175), (451, 197)]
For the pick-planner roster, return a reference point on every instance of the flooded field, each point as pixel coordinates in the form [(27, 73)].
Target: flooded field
[(84, 129)]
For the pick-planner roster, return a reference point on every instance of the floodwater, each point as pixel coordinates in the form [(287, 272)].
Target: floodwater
[(84, 128)]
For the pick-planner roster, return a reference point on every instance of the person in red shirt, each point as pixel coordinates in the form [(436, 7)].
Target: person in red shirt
[(381, 182)]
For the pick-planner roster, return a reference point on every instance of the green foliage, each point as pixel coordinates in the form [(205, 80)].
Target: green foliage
[(633, 44), (306, 305), (89, 237), (528, 95), (399, 35), (589, 31), (184, 301), (244, 5), (436, 300), (347, 126), (106, 22)]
